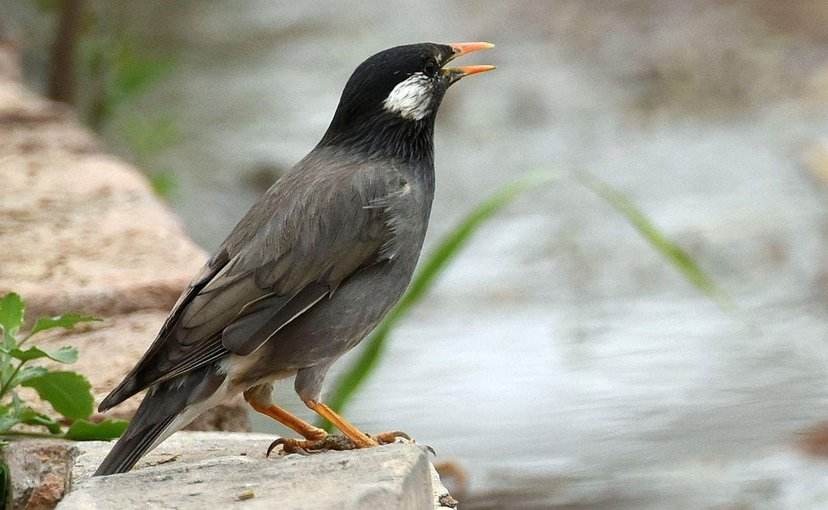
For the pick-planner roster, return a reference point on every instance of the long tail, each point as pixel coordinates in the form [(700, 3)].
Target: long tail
[(167, 407), (132, 446)]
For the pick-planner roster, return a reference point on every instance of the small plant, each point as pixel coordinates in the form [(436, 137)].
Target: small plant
[(671, 251), (69, 393)]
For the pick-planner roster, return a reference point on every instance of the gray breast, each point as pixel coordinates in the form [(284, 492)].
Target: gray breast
[(338, 323)]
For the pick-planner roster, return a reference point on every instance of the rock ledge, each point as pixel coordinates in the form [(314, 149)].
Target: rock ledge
[(202, 469)]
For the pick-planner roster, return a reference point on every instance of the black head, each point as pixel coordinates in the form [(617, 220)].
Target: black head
[(396, 93)]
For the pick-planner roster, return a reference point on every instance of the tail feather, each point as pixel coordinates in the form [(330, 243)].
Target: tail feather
[(166, 408), (123, 391), (130, 448)]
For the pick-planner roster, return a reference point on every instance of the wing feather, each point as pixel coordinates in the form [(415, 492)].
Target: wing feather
[(315, 227)]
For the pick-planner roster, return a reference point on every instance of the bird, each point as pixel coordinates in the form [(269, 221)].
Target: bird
[(311, 268)]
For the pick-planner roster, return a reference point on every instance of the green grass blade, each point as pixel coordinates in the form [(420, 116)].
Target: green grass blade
[(350, 381), (671, 251)]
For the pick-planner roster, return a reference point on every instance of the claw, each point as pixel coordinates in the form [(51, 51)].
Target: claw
[(391, 437), (273, 445), (291, 446)]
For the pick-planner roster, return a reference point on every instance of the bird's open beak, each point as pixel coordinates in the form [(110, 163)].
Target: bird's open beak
[(455, 73)]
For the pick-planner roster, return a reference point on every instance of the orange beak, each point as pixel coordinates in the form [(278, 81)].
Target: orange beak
[(469, 47), (461, 49)]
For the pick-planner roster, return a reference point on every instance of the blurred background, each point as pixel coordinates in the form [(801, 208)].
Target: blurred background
[(560, 360)]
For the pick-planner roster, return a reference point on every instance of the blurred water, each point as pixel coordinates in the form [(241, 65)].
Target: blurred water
[(561, 360)]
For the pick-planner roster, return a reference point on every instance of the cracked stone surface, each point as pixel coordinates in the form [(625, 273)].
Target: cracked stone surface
[(200, 469)]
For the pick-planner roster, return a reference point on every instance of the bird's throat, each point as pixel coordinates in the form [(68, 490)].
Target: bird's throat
[(385, 136)]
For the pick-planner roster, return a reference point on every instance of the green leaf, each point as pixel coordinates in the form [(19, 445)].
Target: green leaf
[(671, 251), (83, 430), (68, 392), (65, 321), (11, 313), (65, 354), (350, 381), (28, 373), (5, 482), (8, 418), (17, 404), (6, 370), (18, 413), (31, 417)]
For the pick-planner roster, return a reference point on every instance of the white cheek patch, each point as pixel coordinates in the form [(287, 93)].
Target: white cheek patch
[(411, 98)]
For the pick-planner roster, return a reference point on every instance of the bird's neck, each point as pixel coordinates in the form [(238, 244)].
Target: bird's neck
[(386, 135)]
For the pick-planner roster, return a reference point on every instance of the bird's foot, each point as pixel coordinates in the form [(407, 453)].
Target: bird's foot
[(334, 442), (309, 446)]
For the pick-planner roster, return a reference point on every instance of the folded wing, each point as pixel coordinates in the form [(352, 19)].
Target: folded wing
[(307, 234)]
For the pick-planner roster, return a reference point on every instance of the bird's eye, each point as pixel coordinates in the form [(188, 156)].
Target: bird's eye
[(430, 68)]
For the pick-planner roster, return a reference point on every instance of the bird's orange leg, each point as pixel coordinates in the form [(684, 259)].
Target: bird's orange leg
[(360, 439), (289, 420)]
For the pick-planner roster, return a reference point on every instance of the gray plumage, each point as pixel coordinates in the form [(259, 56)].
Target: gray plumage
[(305, 275)]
